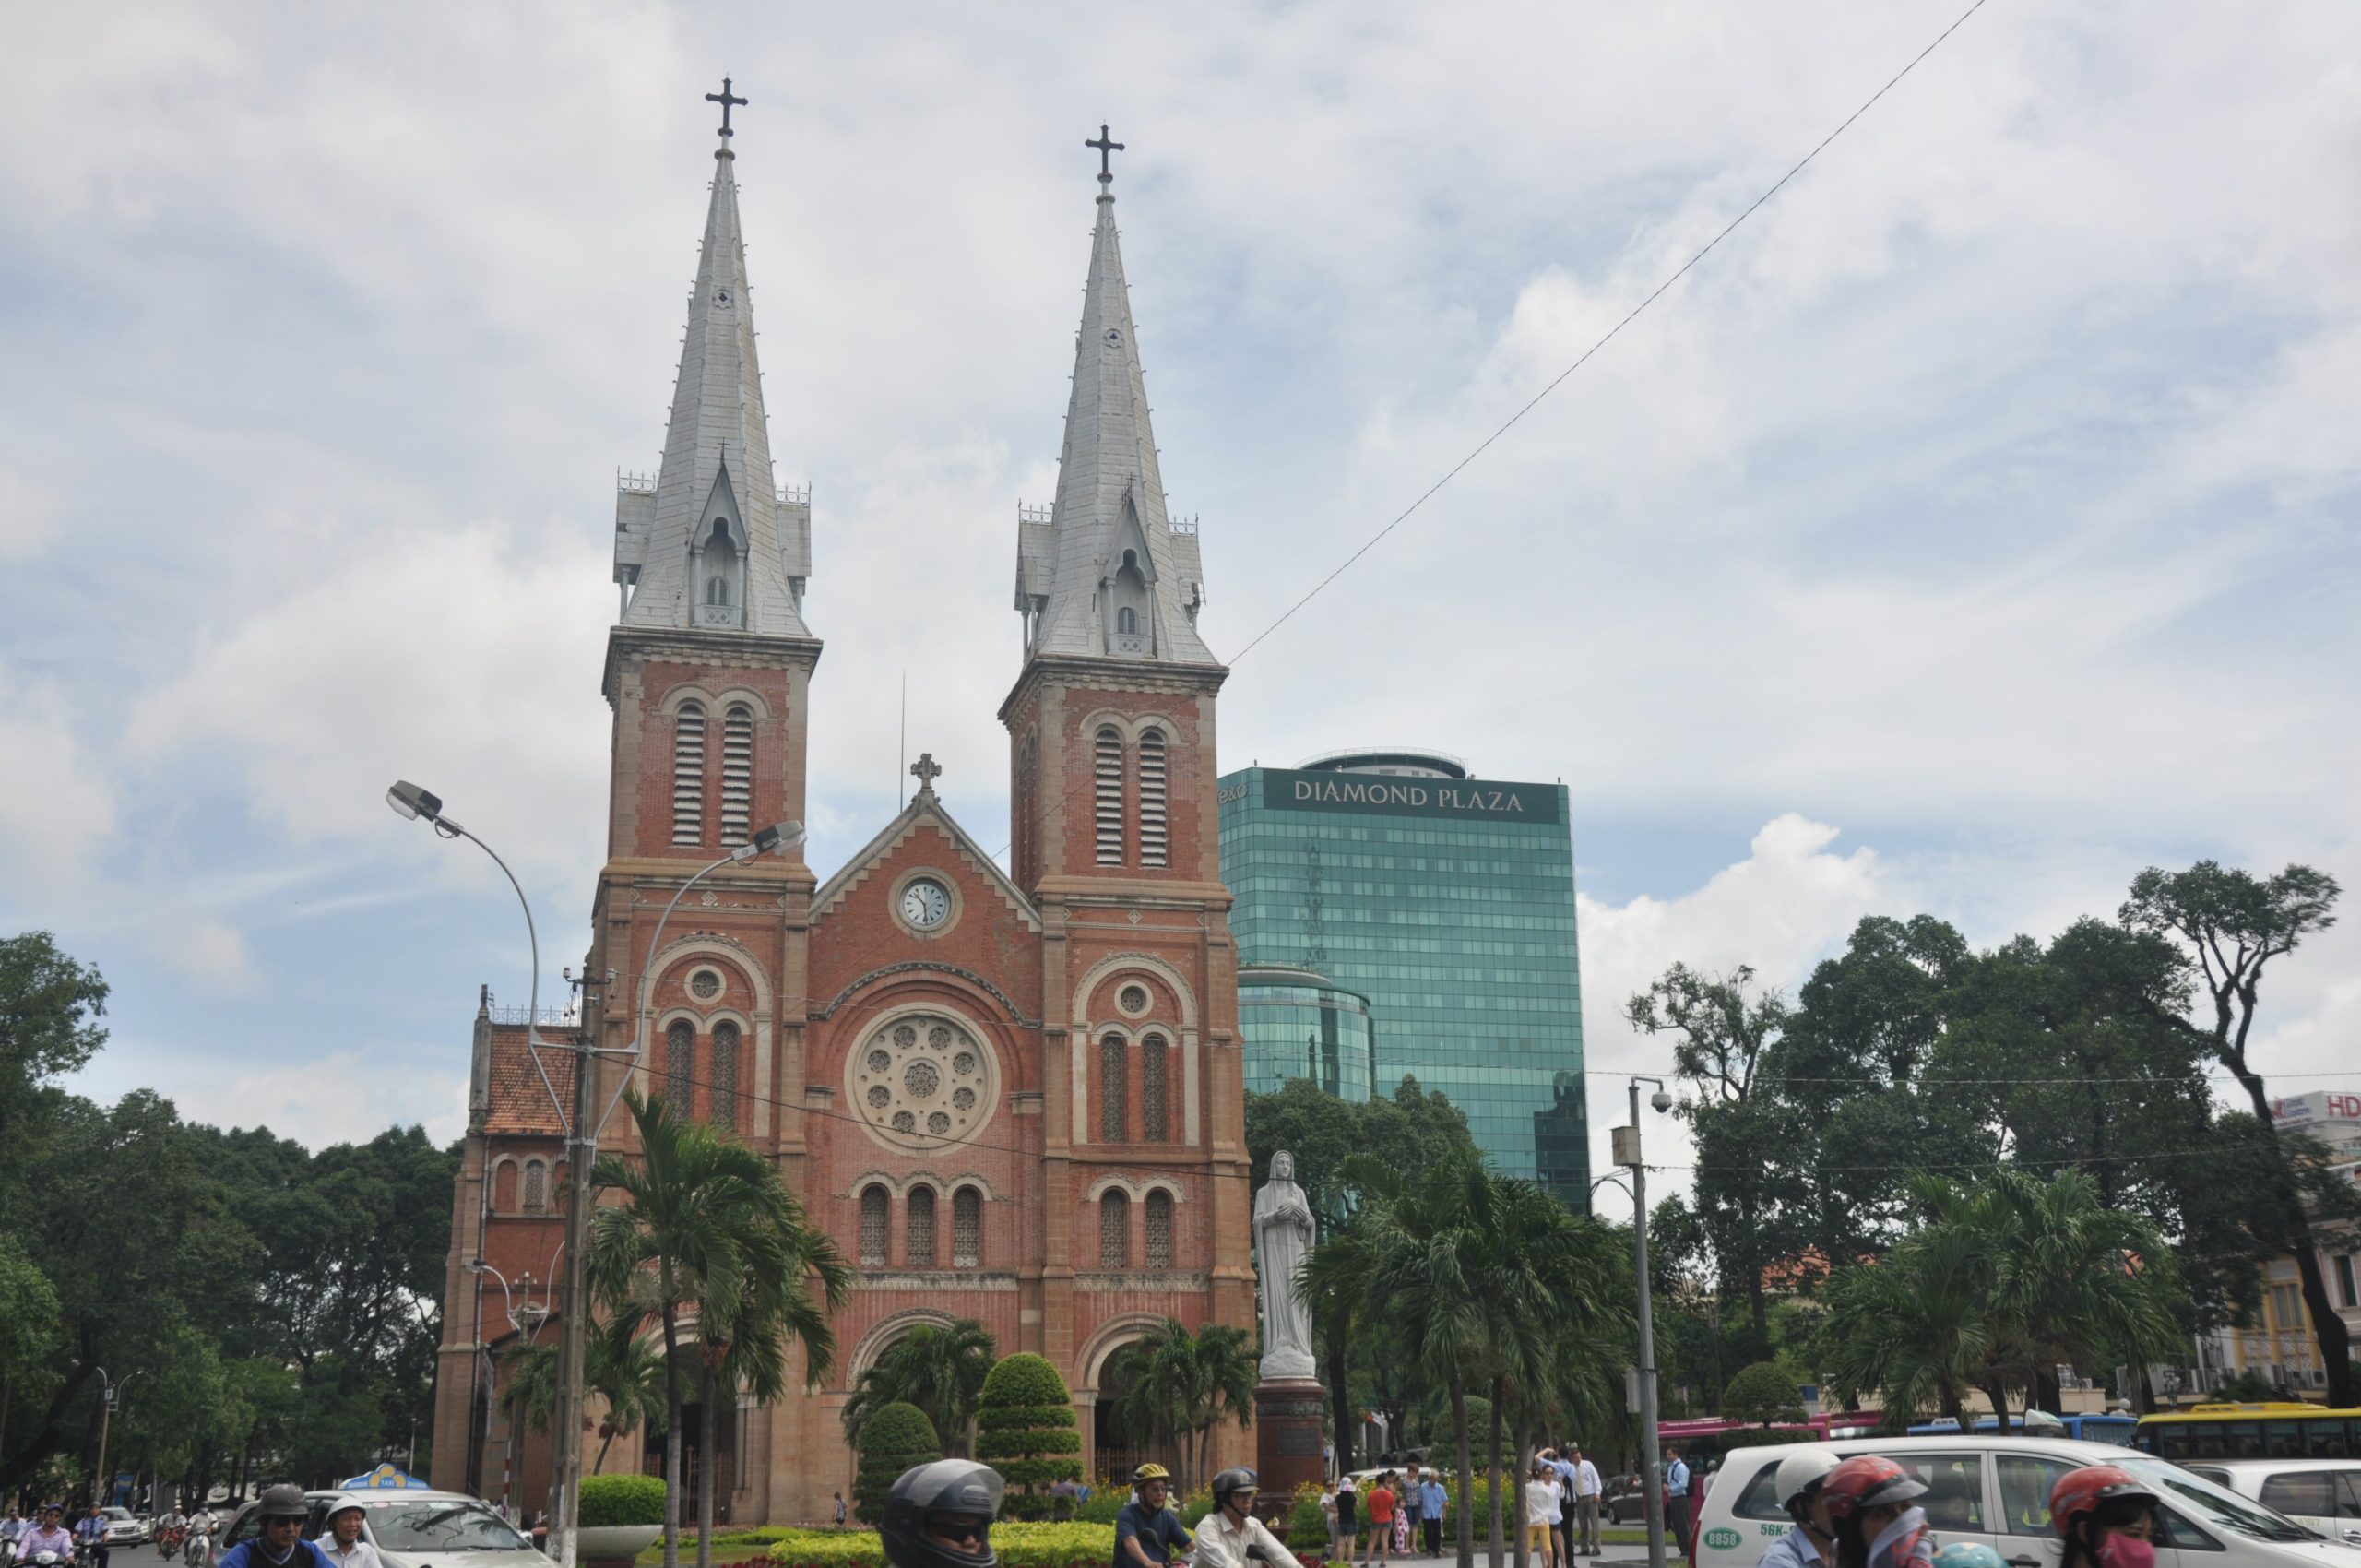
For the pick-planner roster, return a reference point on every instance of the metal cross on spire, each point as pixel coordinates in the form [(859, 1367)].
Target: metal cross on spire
[(725, 98), (1103, 146), (926, 770)]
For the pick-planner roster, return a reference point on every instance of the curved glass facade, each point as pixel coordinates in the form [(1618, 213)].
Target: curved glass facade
[(1293, 1024), (1449, 903)]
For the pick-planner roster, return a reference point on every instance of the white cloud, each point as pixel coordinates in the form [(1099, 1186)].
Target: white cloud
[(57, 802), (335, 1097), (27, 515)]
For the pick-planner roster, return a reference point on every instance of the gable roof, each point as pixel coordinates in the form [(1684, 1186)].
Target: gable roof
[(924, 810)]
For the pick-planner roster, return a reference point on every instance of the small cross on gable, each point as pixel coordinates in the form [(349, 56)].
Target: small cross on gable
[(926, 772)]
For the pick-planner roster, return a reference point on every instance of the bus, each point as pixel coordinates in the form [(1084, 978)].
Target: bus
[(2269, 1431), (1713, 1435), (2117, 1430)]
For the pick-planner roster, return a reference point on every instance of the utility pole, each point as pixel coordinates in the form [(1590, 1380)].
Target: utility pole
[(1627, 1154)]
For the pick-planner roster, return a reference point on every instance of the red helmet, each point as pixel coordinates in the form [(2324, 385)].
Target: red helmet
[(2081, 1492), (1865, 1481)]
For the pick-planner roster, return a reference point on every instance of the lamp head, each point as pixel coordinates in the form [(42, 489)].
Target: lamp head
[(1661, 1101), (410, 801), (779, 836)]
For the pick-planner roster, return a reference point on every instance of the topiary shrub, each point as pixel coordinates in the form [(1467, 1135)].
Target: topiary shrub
[(622, 1500), (1025, 1429), (898, 1437)]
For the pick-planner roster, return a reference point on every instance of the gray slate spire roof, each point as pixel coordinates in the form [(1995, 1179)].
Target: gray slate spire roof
[(749, 573), (1105, 574)]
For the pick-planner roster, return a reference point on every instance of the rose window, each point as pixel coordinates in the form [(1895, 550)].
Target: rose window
[(704, 985), (922, 1082)]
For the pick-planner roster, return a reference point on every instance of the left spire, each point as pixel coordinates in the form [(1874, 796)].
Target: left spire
[(711, 543)]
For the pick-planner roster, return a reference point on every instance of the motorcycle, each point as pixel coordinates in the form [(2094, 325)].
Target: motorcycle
[(168, 1539), (199, 1550)]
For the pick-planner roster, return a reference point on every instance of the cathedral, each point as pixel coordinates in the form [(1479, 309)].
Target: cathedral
[(1008, 1095)]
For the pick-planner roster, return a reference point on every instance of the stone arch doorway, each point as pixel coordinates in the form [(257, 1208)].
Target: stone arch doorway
[(1120, 1447)]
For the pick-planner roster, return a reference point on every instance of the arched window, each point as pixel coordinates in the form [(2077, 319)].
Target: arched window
[(1152, 798), (717, 590), (679, 1067), (1113, 1090), (1115, 1231), (537, 1187), (874, 1207), (503, 1187), (737, 774), (918, 1220), (966, 1228), (1159, 1229), (688, 774), (1108, 765), (725, 1075), (720, 569), (1155, 1121), (1127, 620)]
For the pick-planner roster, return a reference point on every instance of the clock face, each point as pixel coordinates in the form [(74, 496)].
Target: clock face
[(925, 904)]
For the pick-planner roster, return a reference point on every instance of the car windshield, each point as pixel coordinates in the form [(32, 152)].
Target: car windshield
[(455, 1524), (2217, 1506)]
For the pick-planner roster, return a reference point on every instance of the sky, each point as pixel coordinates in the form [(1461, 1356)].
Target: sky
[(1974, 526)]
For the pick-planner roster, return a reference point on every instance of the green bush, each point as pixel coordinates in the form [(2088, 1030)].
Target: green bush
[(1016, 1545), (897, 1437), (1025, 1429), (1307, 1521), (622, 1500)]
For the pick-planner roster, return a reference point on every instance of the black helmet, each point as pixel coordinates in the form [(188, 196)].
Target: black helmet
[(1236, 1479), (947, 1486), (285, 1500)]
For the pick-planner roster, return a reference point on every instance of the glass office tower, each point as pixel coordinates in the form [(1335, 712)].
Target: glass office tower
[(1294, 1024), (1448, 901)]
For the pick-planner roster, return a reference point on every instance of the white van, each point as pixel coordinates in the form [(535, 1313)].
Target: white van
[(1995, 1490)]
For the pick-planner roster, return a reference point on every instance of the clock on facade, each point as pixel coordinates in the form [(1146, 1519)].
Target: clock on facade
[(925, 903)]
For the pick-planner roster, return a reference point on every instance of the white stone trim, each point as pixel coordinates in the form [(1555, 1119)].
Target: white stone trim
[(1115, 963), (1139, 1187)]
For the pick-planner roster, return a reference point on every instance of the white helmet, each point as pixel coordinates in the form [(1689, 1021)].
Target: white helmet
[(1805, 1466)]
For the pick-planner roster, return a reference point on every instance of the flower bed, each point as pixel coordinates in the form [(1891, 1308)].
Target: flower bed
[(1016, 1544)]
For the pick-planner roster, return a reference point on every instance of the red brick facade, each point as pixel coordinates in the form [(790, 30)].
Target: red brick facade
[(1072, 1032)]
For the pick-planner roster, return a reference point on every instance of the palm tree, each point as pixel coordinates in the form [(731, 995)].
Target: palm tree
[(707, 1232), (1912, 1326), (1180, 1384), (940, 1369), (618, 1367)]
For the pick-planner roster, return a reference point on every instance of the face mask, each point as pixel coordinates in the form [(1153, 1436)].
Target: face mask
[(2126, 1551), (1904, 1544)]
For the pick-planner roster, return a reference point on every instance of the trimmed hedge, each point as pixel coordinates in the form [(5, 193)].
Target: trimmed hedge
[(893, 1440), (622, 1500), (1016, 1545), (1025, 1429)]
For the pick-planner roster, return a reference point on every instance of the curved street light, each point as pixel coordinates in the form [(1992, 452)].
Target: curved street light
[(581, 1129), (1626, 1143)]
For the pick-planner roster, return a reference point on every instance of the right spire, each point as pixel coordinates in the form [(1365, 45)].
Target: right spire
[(1104, 574)]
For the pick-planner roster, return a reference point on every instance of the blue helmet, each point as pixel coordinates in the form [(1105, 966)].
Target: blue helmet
[(1968, 1554)]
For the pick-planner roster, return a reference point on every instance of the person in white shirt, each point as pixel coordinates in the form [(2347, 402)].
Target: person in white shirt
[(1543, 1505), (1587, 1491), (1230, 1531), (342, 1545)]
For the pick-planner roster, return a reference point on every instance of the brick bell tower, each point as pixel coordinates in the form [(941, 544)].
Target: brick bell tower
[(708, 672), (1115, 839)]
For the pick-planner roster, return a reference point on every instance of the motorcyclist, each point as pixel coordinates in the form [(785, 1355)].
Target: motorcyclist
[(2107, 1518), (1874, 1521), (1796, 1485), (1146, 1533), (280, 1542), (1230, 1536), (940, 1516), (48, 1536)]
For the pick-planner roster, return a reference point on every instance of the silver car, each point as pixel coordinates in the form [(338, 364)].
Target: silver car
[(413, 1530)]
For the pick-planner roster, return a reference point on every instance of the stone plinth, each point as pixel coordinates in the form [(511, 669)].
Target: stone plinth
[(1288, 1442)]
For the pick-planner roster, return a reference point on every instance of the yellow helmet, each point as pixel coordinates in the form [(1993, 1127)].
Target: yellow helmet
[(1150, 1472)]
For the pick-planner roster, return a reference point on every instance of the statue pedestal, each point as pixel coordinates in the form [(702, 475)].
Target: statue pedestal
[(1287, 1419)]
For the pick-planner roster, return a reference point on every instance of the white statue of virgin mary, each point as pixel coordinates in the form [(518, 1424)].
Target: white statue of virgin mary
[(1283, 1235)]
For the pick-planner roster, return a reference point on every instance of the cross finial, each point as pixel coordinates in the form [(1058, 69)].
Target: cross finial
[(926, 772), (725, 98), (1104, 147)]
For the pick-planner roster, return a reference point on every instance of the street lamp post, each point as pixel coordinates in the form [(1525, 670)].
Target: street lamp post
[(582, 1129), (105, 1484), (1627, 1154)]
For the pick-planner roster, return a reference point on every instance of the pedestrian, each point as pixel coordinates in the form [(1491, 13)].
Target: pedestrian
[(2107, 1516), (1230, 1536), (840, 1509), (1542, 1507), (1796, 1487), (48, 1536), (342, 1545), (1147, 1535), (1676, 1496), (1381, 1520), (1563, 1469), (940, 1516), (281, 1511), (1348, 1520), (1433, 1500), (1414, 1508), (1872, 1516)]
